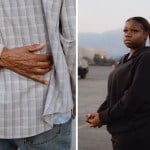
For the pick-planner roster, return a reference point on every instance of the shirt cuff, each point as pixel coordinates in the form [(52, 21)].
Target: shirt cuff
[(1, 49)]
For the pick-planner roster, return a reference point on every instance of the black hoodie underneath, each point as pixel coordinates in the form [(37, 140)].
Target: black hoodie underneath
[(127, 106)]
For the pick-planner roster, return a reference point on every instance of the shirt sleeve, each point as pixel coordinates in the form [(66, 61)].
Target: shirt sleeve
[(67, 37), (134, 97)]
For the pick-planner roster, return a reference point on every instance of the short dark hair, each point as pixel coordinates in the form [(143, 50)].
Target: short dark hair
[(144, 22)]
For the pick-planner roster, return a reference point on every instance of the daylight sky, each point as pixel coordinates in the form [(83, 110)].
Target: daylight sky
[(97, 16)]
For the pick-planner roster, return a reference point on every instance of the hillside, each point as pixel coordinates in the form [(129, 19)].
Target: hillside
[(110, 41)]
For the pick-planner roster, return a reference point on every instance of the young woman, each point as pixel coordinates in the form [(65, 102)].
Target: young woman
[(126, 110)]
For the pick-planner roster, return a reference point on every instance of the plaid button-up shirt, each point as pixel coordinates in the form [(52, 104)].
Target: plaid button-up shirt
[(27, 107)]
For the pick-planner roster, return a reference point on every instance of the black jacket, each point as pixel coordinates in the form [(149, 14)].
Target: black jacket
[(127, 106)]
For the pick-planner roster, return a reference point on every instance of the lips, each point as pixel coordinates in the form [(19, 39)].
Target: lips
[(127, 41)]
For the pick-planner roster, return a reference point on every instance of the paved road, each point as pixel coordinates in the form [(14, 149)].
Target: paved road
[(92, 92)]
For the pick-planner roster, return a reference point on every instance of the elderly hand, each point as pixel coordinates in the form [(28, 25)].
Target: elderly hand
[(24, 61)]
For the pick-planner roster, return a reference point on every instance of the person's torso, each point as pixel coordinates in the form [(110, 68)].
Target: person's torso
[(22, 100), (119, 82)]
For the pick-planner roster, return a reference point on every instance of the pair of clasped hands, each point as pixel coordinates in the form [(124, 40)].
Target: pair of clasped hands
[(93, 119), (24, 61)]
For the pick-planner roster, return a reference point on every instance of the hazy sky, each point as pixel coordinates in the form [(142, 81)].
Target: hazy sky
[(102, 15)]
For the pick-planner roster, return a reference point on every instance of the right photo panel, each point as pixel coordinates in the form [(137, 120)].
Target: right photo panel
[(113, 75)]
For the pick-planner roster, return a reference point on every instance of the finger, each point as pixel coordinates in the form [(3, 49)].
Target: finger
[(88, 115), (93, 120), (39, 79), (31, 76), (43, 57), (35, 47), (42, 71), (92, 125), (88, 121), (44, 65)]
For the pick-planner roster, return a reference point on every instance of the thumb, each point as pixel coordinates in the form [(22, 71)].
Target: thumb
[(88, 115), (35, 47)]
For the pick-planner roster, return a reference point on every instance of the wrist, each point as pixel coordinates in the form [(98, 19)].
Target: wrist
[(3, 55)]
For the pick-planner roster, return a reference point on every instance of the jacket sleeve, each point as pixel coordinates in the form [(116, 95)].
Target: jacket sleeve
[(67, 37), (103, 106), (134, 97)]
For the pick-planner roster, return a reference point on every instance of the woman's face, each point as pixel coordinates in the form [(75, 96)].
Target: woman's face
[(134, 35)]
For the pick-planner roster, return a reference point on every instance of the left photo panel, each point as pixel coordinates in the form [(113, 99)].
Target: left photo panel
[(37, 74)]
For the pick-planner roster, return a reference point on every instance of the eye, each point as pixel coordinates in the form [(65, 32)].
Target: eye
[(134, 31), (125, 30)]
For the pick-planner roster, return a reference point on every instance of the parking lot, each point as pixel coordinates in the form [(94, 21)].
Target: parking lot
[(92, 92)]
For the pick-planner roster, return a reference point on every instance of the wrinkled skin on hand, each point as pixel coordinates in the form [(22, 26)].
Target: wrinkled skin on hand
[(25, 62)]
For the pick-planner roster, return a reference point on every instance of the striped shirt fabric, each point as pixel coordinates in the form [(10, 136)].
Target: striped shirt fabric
[(1, 49), (27, 107)]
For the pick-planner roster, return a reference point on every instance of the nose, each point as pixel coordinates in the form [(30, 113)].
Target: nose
[(127, 34)]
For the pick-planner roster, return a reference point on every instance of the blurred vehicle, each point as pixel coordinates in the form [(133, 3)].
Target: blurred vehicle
[(83, 68)]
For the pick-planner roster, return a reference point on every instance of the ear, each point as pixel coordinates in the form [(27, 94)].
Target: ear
[(146, 35)]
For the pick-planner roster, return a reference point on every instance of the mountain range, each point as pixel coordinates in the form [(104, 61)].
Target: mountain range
[(110, 41)]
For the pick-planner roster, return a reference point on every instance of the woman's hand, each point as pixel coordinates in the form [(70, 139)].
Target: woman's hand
[(93, 119)]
